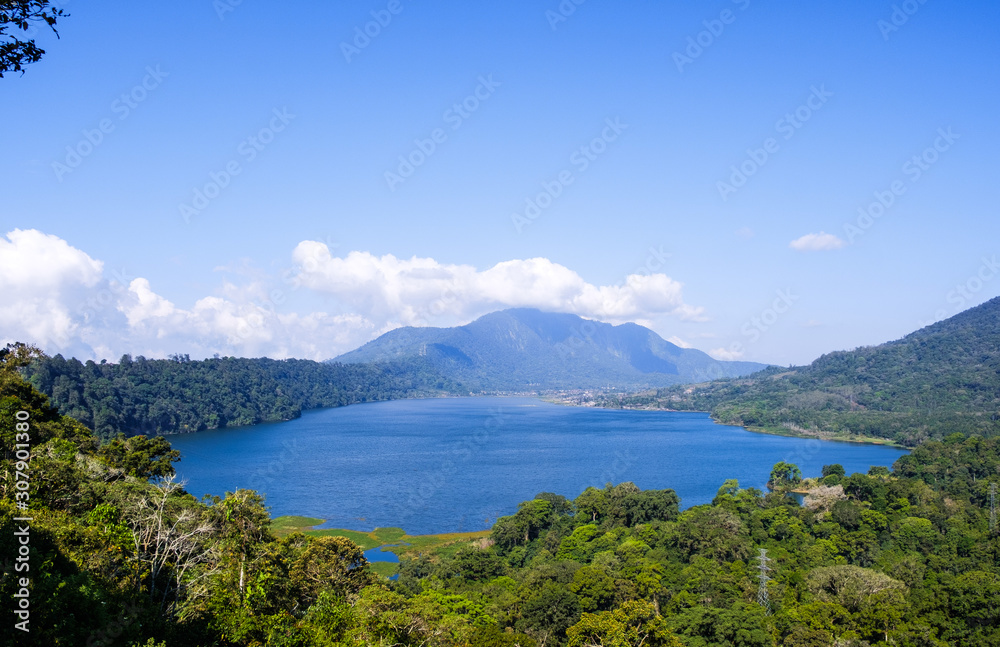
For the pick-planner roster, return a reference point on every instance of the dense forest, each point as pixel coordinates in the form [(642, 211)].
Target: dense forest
[(120, 555), (178, 395), (942, 379)]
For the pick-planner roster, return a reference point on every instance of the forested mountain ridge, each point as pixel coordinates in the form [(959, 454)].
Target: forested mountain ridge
[(940, 379), (524, 348), (144, 396)]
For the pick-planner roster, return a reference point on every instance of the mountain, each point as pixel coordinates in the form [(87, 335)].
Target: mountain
[(523, 348), (941, 379)]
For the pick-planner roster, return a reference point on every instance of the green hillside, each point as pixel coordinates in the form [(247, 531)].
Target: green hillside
[(938, 380), (143, 396), (121, 556)]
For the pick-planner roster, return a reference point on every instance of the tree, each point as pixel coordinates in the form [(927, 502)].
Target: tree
[(847, 514), (560, 504), (741, 625), (643, 506), (141, 457), (22, 15), (715, 533), (17, 354), (493, 636), (852, 587), (479, 565), (244, 524), (634, 624), (784, 475), (595, 587), (836, 469), (549, 613), (172, 541), (973, 598), (591, 504), (878, 470), (334, 563)]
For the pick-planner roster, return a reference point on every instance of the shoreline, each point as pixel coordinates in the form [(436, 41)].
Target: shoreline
[(770, 431), (559, 398)]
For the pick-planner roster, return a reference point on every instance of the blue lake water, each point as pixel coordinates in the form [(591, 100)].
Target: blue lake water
[(456, 464)]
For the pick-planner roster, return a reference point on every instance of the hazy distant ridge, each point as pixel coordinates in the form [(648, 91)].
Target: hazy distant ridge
[(522, 348)]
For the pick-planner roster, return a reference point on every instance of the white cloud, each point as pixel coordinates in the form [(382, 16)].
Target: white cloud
[(817, 242), (416, 290), (58, 297), (40, 275), (145, 304), (725, 354), (677, 341)]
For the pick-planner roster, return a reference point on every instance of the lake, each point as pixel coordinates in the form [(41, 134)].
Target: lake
[(456, 464)]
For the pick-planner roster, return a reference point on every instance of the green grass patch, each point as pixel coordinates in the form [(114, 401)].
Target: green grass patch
[(389, 535), (436, 545), (385, 569), (364, 539), (411, 545), (286, 525)]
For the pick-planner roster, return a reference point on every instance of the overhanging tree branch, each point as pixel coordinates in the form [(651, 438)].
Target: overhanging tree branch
[(23, 15)]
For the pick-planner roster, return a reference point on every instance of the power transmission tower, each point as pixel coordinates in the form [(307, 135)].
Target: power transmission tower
[(993, 507), (763, 578)]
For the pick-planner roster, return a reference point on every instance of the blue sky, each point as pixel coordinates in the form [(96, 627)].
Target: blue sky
[(311, 249)]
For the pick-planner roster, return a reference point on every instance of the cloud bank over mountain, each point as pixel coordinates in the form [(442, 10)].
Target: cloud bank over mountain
[(321, 305)]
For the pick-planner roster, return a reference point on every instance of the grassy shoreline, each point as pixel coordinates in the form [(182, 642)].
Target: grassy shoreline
[(394, 540), (820, 435)]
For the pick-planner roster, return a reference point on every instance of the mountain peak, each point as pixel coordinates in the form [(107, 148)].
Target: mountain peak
[(525, 348)]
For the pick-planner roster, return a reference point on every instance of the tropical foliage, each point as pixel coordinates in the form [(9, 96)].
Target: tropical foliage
[(144, 396), (121, 555)]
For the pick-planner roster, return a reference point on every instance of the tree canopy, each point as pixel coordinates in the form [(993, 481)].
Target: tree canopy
[(17, 19)]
